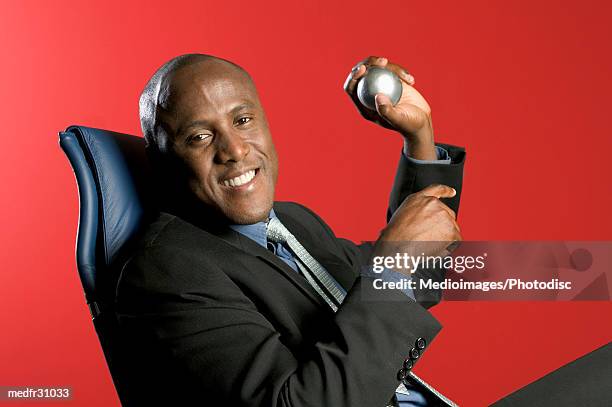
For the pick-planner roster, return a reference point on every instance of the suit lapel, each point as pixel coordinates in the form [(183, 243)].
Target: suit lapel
[(253, 248), (339, 269)]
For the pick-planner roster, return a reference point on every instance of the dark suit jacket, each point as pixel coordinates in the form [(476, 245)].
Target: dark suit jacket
[(209, 317)]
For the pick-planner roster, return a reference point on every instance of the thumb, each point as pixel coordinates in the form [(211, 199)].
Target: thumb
[(439, 191), (385, 108)]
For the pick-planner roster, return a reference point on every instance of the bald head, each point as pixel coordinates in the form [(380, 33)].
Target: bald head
[(158, 89)]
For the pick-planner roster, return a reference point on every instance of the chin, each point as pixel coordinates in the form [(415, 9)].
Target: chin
[(250, 215)]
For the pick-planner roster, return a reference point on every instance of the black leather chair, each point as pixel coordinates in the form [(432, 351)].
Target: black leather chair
[(115, 201)]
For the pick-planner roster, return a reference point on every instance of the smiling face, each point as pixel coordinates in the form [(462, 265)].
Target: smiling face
[(213, 124)]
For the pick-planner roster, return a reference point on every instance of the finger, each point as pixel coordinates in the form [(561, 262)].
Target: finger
[(351, 81), (401, 72), (447, 210), (390, 113), (439, 191), (377, 61), (369, 61), (450, 213), (456, 224)]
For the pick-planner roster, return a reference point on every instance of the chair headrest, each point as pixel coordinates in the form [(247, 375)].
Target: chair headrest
[(120, 175)]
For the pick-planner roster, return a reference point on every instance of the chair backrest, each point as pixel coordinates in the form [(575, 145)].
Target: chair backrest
[(115, 200)]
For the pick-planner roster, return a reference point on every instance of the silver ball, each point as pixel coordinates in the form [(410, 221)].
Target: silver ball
[(378, 80)]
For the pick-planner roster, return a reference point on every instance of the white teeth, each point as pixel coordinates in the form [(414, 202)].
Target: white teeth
[(240, 180)]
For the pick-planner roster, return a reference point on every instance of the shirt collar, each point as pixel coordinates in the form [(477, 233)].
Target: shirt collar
[(256, 231)]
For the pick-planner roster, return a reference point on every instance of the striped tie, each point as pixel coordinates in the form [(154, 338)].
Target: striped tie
[(324, 283)]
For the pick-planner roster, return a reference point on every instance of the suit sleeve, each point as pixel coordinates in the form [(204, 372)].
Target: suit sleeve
[(219, 347), (412, 177)]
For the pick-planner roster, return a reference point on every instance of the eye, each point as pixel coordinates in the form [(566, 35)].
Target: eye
[(243, 120), (198, 138)]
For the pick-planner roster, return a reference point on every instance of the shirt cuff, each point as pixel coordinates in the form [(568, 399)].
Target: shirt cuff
[(393, 276), (443, 157)]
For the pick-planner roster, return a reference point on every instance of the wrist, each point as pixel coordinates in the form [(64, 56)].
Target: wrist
[(420, 145)]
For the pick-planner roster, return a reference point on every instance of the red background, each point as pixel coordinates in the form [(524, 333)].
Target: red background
[(524, 85)]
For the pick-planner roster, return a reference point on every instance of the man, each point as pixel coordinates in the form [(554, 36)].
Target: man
[(223, 301)]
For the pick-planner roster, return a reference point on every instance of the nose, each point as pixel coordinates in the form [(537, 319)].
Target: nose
[(231, 147)]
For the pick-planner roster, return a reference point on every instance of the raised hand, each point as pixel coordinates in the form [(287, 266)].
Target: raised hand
[(411, 116)]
